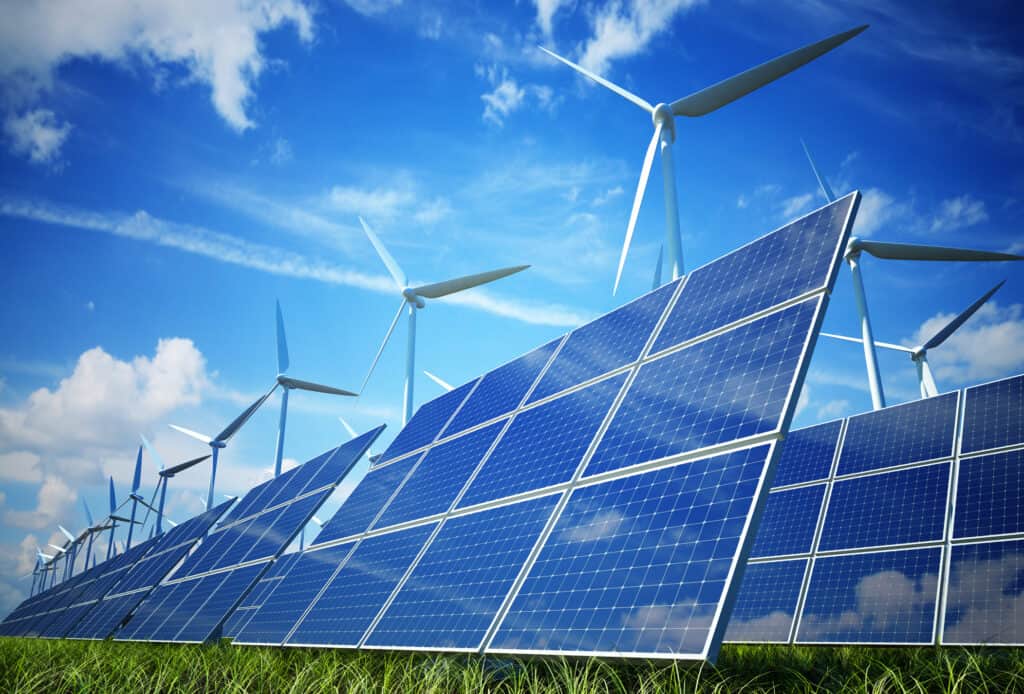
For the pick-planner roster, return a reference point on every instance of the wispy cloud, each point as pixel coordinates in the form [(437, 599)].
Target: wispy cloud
[(623, 30), (37, 135), (959, 213)]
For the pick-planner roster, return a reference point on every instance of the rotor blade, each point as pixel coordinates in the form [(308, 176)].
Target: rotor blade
[(113, 496), (859, 341), (137, 477), (447, 386), (59, 549), (173, 524), (282, 343), (88, 512), (440, 289), (318, 521), (67, 534), (396, 272), (382, 345), (181, 467), (241, 419), (157, 460), (657, 268), (289, 382), (641, 188), (123, 519), (602, 81), (194, 434), (954, 324), (725, 92), (829, 195), (348, 427), (908, 251)]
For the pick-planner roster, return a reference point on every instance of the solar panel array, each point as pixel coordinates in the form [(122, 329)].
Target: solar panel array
[(593, 496), (900, 526), (195, 602)]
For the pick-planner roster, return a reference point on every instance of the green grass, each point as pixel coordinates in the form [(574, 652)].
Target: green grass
[(31, 665)]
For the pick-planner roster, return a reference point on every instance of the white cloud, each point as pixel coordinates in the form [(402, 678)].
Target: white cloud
[(372, 8), (986, 346), (433, 211), (796, 205), (431, 26), (281, 152), (546, 11), (505, 98), (20, 466), (959, 213), (877, 208), (623, 30), (609, 195), (742, 201), (37, 135), (54, 499), (379, 203)]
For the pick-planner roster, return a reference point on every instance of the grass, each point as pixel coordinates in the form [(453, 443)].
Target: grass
[(32, 665)]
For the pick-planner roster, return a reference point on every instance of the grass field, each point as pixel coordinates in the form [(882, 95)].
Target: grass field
[(31, 665)]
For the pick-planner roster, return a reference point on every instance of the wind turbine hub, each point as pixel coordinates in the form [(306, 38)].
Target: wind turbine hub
[(413, 298), (853, 248), (218, 444), (662, 113)]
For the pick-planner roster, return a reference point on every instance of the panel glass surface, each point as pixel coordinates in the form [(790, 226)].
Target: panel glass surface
[(105, 617), (611, 341), (152, 612), (789, 521), (355, 595), (638, 564), (544, 445), (990, 495), (194, 595), (453, 594), (767, 601), (725, 388), (218, 606), (880, 597), (887, 509), (985, 602), (366, 501), (994, 415), (502, 390), (807, 454), (427, 422), (913, 432), (789, 262)]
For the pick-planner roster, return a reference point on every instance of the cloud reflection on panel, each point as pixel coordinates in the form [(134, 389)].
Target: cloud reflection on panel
[(766, 603), (986, 594)]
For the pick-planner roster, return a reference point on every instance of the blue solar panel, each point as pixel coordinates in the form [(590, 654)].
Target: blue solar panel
[(789, 521), (502, 390), (153, 611), (913, 432), (193, 595), (287, 602), (105, 617), (338, 465), (807, 454), (612, 341), (994, 415), (437, 480), (767, 602), (990, 495), (259, 593), (887, 509), (366, 501), (726, 388), (985, 600), (356, 594), (453, 594), (427, 422), (638, 564), (882, 597), (545, 444), (791, 261), (215, 610)]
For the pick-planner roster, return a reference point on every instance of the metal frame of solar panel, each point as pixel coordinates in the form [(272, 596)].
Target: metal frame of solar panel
[(906, 528), (468, 519), (194, 604)]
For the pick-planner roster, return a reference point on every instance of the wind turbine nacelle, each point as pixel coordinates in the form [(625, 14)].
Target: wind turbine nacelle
[(218, 444), (413, 298), (853, 248), (663, 113)]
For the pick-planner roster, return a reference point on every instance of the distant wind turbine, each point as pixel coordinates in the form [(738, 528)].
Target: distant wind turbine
[(413, 299), (165, 473), (444, 384), (699, 103), (889, 251)]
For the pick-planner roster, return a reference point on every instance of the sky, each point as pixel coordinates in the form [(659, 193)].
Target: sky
[(168, 170)]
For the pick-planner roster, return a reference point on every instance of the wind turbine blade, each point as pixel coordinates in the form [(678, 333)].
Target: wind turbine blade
[(173, 524), (859, 341), (282, 343), (440, 289), (955, 324), (66, 532), (137, 477), (59, 549), (383, 345), (725, 92), (113, 496), (822, 183), (194, 434), (641, 188), (447, 386), (181, 467), (396, 272), (602, 81), (348, 427), (657, 268), (88, 512), (241, 419), (318, 521), (289, 382), (908, 251), (157, 460)]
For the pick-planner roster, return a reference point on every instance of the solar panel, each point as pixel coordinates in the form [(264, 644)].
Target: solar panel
[(255, 598), (985, 600), (789, 521), (994, 415), (808, 454), (766, 607), (439, 547), (988, 495)]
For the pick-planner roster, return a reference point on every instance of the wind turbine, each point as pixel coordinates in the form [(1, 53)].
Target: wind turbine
[(413, 299), (370, 455), (221, 440), (288, 383), (919, 354), (93, 529), (699, 103), (165, 474), (889, 251), (444, 384)]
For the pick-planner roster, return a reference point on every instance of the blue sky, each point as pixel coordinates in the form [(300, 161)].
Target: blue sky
[(166, 172)]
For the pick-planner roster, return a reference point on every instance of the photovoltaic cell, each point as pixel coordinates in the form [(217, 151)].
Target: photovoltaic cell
[(545, 444), (639, 564), (994, 415), (887, 509), (767, 602), (728, 387), (990, 495), (807, 454), (789, 521), (913, 432), (605, 344), (453, 594), (227, 594), (881, 597), (985, 602), (256, 597), (784, 264), (500, 391), (426, 423), (193, 595)]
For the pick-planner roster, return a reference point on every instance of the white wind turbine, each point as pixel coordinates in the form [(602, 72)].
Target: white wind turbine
[(889, 251), (699, 103), (412, 300)]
